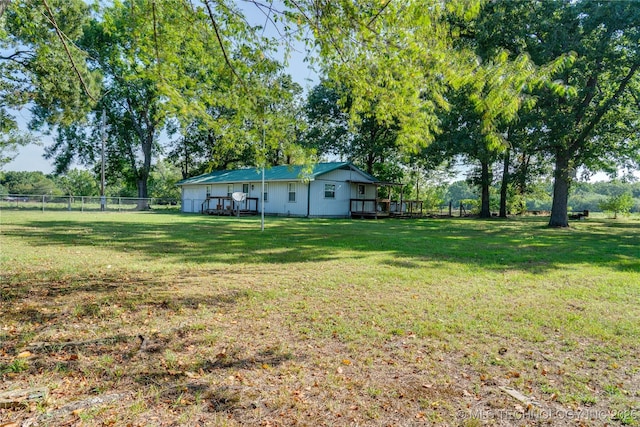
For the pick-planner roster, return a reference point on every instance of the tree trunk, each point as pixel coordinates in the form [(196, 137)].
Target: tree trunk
[(185, 165), (145, 170), (143, 193), (561, 184), (505, 184), (485, 181), (371, 159)]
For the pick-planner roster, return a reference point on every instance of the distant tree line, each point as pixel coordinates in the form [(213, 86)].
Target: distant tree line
[(81, 182)]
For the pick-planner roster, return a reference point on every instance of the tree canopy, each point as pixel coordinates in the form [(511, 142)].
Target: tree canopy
[(405, 85)]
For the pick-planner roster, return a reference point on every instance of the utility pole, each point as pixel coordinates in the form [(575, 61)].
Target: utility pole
[(103, 199), (264, 160)]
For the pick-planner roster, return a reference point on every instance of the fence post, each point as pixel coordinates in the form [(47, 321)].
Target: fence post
[(450, 207), (43, 196), (82, 204), (69, 203)]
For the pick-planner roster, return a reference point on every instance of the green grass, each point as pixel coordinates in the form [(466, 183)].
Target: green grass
[(323, 321)]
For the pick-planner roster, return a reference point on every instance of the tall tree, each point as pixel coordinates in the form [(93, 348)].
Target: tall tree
[(132, 99), (160, 60), (496, 89), (593, 125), (364, 140), (401, 62), (606, 37)]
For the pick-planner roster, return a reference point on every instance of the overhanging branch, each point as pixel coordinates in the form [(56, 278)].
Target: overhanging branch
[(68, 52), (220, 42), (603, 109)]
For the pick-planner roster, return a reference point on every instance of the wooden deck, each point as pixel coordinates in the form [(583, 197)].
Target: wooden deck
[(225, 205)]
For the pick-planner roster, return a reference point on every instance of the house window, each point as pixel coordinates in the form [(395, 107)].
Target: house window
[(265, 196), (292, 192), (329, 191), (245, 188), (229, 190), (208, 191), (361, 190)]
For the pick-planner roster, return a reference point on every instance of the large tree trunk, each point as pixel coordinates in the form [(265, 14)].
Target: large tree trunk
[(143, 173), (505, 184), (561, 184), (485, 181), (143, 193)]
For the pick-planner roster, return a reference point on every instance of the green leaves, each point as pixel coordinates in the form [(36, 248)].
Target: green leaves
[(390, 56), (37, 67), (621, 203)]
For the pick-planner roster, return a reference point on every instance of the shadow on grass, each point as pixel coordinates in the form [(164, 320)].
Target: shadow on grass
[(523, 244), (101, 298)]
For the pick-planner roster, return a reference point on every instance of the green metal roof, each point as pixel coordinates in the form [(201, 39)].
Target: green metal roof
[(275, 173)]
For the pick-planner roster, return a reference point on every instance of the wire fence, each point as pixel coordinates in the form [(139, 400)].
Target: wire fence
[(48, 202)]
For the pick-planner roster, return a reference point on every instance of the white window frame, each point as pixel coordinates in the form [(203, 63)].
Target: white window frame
[(330, 191), (265, 196), (229, 190), (208, 191), (362, 193), (292, 192), (245, 188)]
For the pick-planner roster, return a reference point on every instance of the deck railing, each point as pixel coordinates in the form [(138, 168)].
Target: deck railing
[(373, 208), (225, 205)]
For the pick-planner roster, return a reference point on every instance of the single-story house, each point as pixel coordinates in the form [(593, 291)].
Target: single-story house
[(332, 190)]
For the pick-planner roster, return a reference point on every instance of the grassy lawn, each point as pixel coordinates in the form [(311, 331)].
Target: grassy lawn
[(319, 322)]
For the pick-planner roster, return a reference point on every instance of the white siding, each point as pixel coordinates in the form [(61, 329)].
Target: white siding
[(278, 197), (369, 191), (327, 207), (343, 175), (345, 191), (278, 203), (192, 197)]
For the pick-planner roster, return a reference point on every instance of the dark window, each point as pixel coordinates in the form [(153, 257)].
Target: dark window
[(292, 192), (329, 191)]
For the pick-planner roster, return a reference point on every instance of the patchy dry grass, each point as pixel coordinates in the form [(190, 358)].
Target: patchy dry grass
[(169, 319)]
